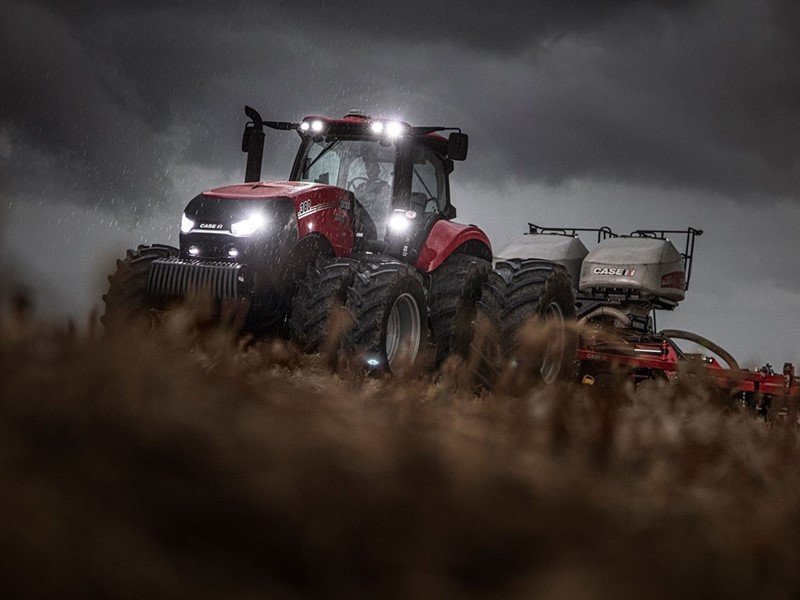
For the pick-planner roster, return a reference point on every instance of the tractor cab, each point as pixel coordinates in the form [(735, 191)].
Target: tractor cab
[(387, 166)]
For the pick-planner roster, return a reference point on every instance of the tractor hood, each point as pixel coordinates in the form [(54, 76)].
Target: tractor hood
[(296, 208), (220, 207), (240, 200), (265, 190)]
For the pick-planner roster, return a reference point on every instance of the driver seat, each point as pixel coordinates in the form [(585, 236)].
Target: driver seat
[(375, 198), (364, 228)]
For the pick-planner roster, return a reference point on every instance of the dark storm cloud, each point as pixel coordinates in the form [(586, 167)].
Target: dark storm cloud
[(72, 125), (706, 97), (494, 27), (107, 99)]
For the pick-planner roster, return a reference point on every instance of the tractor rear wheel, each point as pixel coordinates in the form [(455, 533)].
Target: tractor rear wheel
[(526, 309), (324, 287), (456, 287), (126, 300), (389, 310)]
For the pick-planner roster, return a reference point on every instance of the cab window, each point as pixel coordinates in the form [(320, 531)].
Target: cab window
[(364, 167), (428, 189), (322, 164)]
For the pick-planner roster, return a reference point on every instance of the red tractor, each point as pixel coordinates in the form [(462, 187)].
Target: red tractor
[(365, 221)]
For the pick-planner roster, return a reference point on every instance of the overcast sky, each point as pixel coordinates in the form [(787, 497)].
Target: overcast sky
[(628, 114)]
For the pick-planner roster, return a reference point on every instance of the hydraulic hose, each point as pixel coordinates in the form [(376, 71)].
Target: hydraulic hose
[(607, 311), (705, 343)]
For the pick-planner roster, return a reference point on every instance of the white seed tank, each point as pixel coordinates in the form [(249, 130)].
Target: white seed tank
[(565, 250), (650, 266)]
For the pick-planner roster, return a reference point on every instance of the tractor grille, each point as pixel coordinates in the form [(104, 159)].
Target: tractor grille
[(179, 277)]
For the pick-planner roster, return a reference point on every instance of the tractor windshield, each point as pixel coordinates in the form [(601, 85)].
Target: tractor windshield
[(362, 166)]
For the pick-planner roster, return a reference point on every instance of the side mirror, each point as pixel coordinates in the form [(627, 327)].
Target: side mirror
[(457, 145), (449, 212)]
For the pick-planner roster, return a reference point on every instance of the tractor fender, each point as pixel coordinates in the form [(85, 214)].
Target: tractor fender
[(445, 238)]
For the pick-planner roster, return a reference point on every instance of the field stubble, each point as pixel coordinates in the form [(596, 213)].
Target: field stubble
[(187, 462)]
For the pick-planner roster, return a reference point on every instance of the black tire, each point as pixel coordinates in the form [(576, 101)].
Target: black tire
[(520, 297), (381, 291), (126, 301), (485, 347), (324, 287), (456, 287)]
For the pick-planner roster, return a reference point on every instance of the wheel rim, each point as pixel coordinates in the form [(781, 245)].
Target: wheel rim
[(553, 359), (403, 332)]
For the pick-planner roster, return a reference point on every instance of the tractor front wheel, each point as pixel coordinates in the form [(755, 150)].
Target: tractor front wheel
[(322, 289), (126, 300), (389, 310)]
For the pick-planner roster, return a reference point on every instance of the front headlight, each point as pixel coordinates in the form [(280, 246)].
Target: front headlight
[(186, 224), (248, 226), (400, 221)]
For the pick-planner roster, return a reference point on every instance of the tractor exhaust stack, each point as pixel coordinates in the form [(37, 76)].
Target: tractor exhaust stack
[(253, 144)]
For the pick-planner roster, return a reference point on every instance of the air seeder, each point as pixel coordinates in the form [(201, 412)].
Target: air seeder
[(619, 285), (365, 221)]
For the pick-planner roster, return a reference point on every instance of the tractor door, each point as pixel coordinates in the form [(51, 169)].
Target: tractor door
[(429, 189), (421, 187)]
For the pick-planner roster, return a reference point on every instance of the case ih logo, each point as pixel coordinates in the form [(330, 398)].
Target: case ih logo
[(210, 225), (614, 271)]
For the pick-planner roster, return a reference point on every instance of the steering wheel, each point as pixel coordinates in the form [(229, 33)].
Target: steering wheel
[(353, 183)]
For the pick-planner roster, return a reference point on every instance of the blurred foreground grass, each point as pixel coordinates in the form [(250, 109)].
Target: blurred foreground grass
[(187, 464)]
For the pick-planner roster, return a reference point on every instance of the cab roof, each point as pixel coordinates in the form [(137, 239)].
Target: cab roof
[(356, 123)]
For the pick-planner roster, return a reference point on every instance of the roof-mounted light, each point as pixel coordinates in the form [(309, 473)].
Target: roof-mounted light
[(317, 126), (389, 129), (394, 129), (305, 126)]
